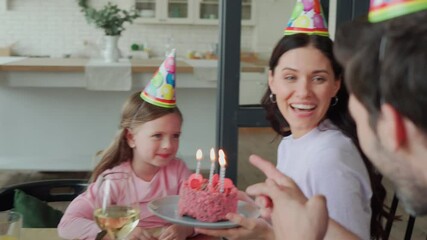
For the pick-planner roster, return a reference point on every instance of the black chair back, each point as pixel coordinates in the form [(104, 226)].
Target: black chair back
[(58, 190), (391, 218)]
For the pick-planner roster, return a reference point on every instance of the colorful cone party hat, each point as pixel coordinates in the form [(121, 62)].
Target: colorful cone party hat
[(160, 91), (308, 18), (381, 10)]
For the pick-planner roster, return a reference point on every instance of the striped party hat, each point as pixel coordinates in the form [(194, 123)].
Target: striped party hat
[(381, 10), (307, 17), (160, 91)]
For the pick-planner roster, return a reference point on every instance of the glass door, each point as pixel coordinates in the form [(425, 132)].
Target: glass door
[(209, 9), (246, 10), (147, 8), (178, 9), (207, 12)]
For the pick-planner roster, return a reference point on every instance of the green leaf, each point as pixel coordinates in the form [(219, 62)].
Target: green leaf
[(110, 18)]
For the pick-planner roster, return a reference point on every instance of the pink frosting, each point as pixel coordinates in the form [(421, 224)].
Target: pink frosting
[(208, 204)]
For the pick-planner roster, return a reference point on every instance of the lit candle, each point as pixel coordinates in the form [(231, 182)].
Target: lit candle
[(199, 156), (222, 163), (212, 154)]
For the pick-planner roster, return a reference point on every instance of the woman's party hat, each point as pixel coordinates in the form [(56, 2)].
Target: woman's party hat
[(160, 91), (308, 18), (381, 10)]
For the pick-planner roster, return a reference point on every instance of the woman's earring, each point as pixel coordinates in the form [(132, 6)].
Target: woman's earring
[(273, 98), (334, 101)]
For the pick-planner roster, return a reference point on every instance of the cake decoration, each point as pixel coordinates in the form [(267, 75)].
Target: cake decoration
[(208, 200), (204, 202), (199, 158), (212, 168)]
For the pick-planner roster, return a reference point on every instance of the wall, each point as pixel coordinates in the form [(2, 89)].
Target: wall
[(271, 17), (56, 28), (62, 128)]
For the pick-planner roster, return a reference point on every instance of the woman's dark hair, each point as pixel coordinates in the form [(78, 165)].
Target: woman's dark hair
[(338, 114)]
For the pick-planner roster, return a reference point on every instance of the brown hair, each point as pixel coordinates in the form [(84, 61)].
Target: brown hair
[(135, 112), (398, 51)]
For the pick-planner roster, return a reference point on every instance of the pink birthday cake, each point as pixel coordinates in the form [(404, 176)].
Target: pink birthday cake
[(205, 202)]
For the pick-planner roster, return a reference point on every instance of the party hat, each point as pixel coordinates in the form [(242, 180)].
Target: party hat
[(160, 91), (381, 10), (307, 17)]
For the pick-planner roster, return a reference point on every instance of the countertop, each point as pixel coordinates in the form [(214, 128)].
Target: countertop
[(138, 65), (78, 65)]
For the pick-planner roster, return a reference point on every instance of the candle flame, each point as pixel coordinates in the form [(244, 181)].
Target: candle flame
[(212, 153), (221, 159), (199, 154)]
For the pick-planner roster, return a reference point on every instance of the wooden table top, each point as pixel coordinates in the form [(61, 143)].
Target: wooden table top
[(52, 234), (78, 65)]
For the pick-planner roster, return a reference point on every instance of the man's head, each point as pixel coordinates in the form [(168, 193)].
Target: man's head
[(386, 74)]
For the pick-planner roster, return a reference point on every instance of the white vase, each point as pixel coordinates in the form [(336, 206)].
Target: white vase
[(111, 50)]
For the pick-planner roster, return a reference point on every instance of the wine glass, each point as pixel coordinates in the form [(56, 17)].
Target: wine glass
[(116, 204)]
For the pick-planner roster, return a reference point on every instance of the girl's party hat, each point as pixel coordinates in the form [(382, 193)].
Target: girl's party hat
[(308, 18), (381, 10), (160, 91)]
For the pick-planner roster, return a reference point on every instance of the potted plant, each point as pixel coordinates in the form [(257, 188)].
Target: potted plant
[(111, 19)]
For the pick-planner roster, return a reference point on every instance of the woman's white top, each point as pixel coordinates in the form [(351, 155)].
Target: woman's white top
[(324, 161)]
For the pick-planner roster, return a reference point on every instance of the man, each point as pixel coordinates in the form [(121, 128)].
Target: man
[(388, 104), (386, 75)]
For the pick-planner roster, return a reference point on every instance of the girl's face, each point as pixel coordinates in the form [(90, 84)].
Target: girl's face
[(156, 142), (304, 83)]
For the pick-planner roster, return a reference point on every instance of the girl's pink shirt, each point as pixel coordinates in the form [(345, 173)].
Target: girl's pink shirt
[(78, 221)]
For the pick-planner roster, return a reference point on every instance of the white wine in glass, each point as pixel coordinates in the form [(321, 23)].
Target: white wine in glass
[(116, 205)]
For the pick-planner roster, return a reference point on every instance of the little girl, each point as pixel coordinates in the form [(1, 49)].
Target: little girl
[(146, 146)]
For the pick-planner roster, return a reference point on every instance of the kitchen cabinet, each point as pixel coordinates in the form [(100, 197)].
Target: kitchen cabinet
[(199, 12), (165, 11), (207, 12)]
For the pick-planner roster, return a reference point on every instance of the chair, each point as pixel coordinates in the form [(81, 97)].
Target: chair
[(58, 190), (391, 218)]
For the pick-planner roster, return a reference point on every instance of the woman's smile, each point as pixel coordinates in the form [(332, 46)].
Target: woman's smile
[(304, 84)]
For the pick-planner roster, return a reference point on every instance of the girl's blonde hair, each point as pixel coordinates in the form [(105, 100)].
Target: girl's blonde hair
[(134, 113)]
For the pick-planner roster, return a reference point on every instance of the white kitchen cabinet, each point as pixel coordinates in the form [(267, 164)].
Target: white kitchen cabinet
[(207, 12), (200, 12), (165, 11)]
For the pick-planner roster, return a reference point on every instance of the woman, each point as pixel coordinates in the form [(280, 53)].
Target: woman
[(306, 104)]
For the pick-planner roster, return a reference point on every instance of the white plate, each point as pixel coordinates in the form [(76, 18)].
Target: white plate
[(167, 209)]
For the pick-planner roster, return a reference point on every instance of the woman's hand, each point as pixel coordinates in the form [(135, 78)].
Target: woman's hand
[(250, 228), (176, 232)]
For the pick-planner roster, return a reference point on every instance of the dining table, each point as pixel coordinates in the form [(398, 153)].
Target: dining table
[(52, 234)]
